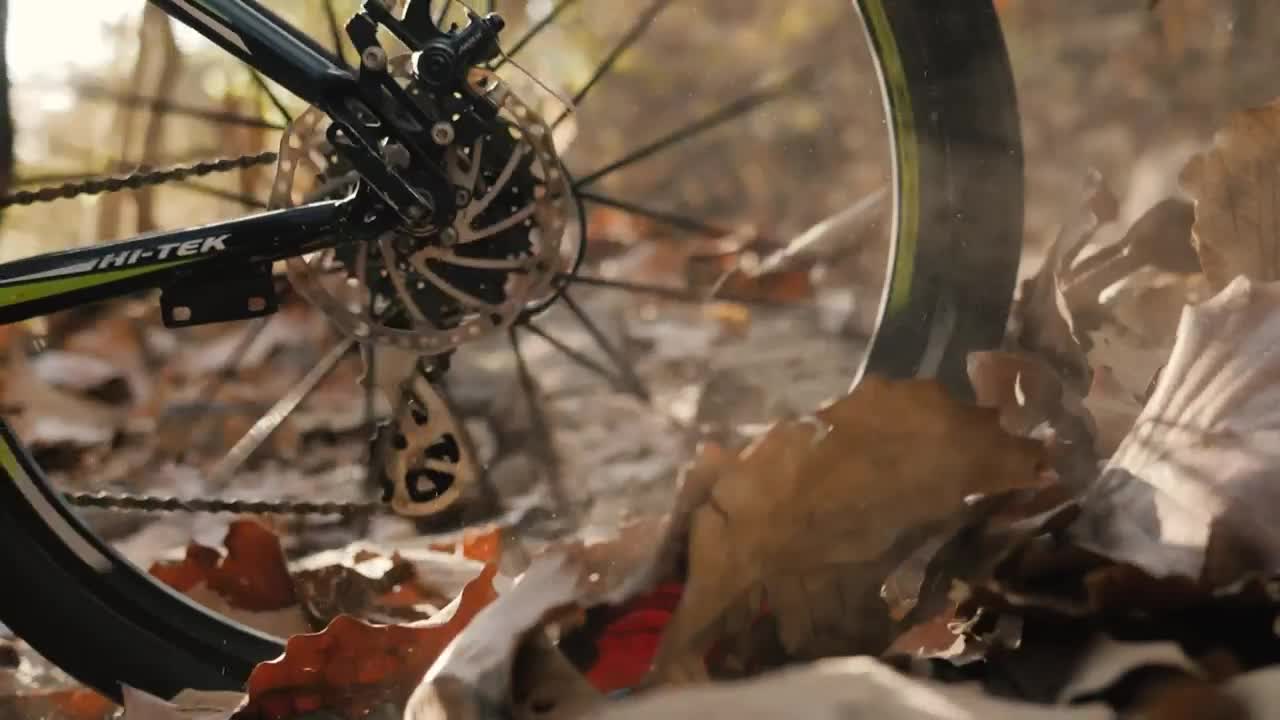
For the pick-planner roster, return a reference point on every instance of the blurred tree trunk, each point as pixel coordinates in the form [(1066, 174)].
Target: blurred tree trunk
[(158, 50), (141, 131), (6, 116), (1254, 53)]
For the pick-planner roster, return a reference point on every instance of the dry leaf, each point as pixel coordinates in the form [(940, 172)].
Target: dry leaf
[(779, 286), (46, 415), (908, 586), (481, 658), (1159, 239), (1188, 698), (351, 666), (809, 511), (481, 545), (1117, 307), (187, 705), (1041, 315), (546, 686), (250, 585), (615, 644), (1259, 691), (440, 575), (1106, 662), (380, 584), (1138, 318), (1113, 410), (1199, 462), (836, 689), (1026, 391), (501, 658), (356, 589), (1234, 185), (957, 640), (252, 575), (280, 623), (32, 687)]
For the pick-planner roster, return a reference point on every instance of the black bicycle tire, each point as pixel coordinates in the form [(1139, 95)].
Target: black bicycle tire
[(107, 623), (958, 185)]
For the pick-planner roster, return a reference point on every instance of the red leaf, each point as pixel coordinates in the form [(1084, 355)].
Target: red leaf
[(626, 646), (352, 666), (482, 546), (252, 576), (82, 704), (190, 571)]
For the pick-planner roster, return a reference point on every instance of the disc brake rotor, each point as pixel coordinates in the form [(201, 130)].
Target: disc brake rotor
[(431, 290)]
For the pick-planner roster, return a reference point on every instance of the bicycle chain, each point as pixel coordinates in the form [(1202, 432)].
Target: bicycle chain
[(159, 503), (135, 181), (164, 504)]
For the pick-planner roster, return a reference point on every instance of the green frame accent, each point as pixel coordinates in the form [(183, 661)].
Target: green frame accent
[(9, 460), (39, 289)]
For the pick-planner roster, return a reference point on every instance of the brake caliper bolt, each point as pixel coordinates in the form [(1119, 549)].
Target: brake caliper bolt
[(396, 154), (442, 133), (374, 58)]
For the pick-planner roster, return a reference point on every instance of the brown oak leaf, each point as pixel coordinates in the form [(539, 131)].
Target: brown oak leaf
[(808, 517), (1234, 185)]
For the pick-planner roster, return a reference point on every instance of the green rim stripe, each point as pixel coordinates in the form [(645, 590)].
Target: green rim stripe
[(9, 461), (906, 151), (39, 289)]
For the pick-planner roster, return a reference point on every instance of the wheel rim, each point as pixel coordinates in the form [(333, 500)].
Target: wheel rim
[(897, 295)]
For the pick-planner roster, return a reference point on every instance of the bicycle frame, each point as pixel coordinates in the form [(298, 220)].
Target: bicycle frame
[(56, 281)]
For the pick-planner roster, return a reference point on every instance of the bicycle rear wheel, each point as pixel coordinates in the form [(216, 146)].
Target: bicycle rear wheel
[(957, 223)]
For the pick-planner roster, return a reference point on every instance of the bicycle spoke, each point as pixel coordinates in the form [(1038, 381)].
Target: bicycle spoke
[(444, 13), (633, 34), (533, 31), (663, 291), (731, 111), (274, 417), (537, 419), (372, 471), (674, 220), (573, 354), (207, 393), (261, 82), (370, 390), (335, 30), (213, 386), (169, 107), (620, 361), (232, 365)]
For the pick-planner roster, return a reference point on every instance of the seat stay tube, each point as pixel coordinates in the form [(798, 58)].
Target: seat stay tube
[(268, 44)]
